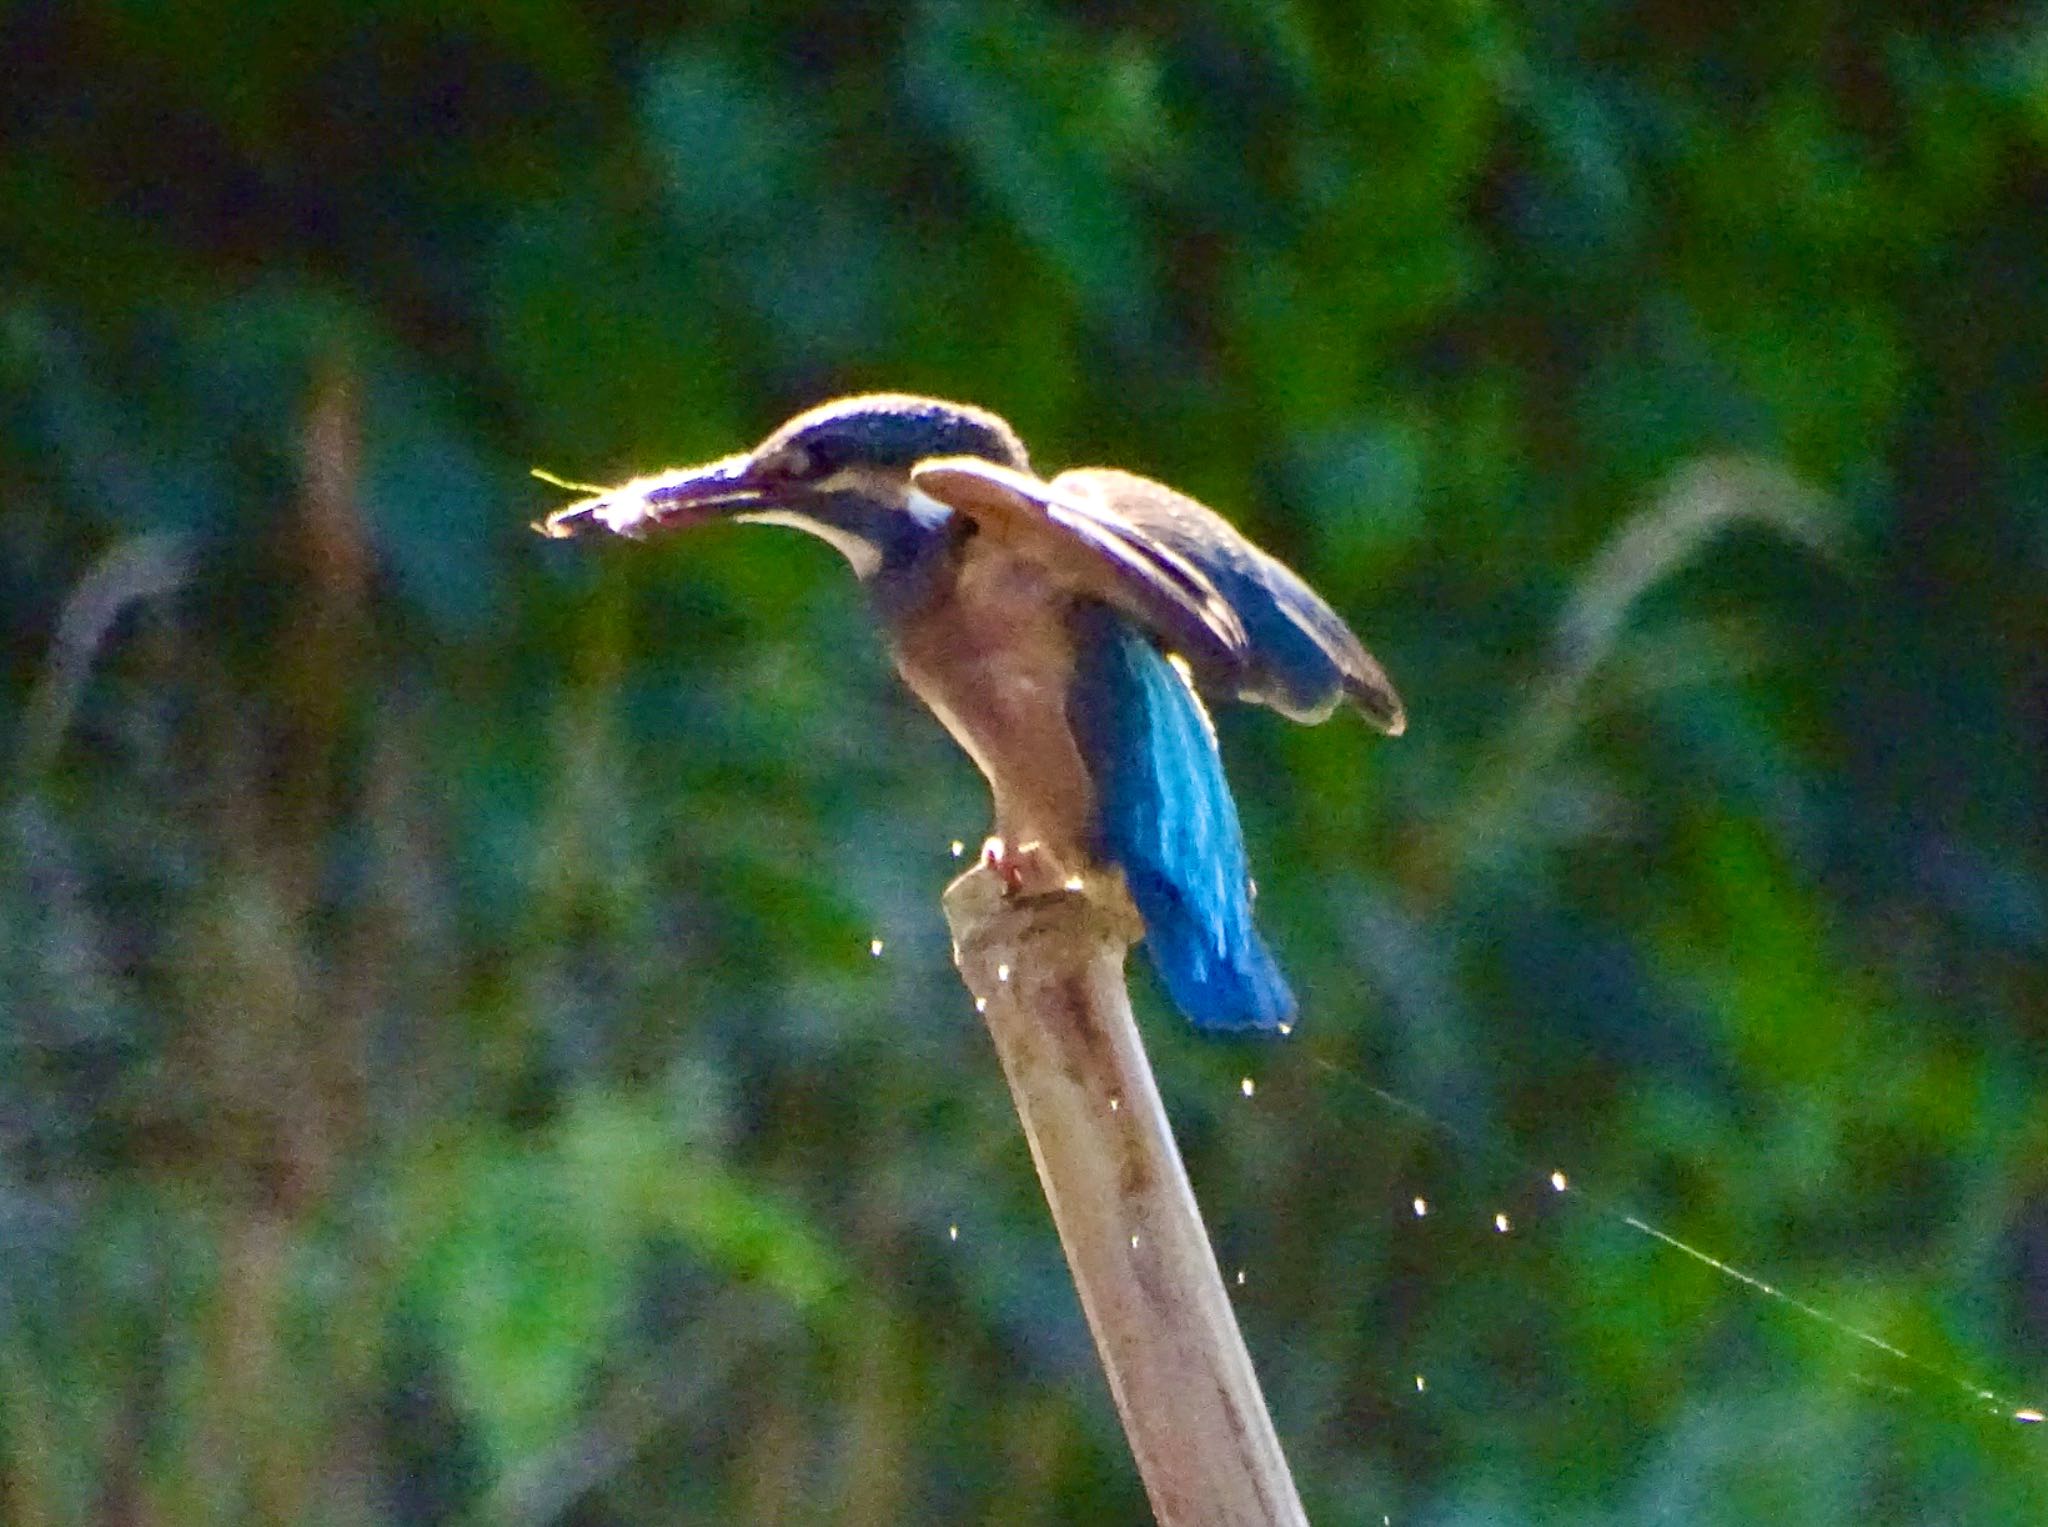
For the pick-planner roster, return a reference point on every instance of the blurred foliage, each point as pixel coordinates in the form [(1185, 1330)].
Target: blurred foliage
[(443, 1077)]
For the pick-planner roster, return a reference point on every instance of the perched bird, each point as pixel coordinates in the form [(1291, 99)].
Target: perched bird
[(1058, 630)]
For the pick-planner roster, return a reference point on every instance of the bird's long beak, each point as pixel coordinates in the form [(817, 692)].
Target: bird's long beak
[(667, 500)]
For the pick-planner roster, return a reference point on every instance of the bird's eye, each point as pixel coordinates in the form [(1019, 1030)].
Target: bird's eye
[(794, 463)]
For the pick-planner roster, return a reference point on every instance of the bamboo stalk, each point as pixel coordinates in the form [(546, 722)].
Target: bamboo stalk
[(1047, 974)]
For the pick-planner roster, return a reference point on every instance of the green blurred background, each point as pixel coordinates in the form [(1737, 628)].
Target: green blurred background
[(443, 1076)]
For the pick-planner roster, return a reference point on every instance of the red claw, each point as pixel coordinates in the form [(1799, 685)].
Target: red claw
[(1027, 869)]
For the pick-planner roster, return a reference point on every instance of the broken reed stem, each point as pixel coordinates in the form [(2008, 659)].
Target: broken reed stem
[(1047, 972)]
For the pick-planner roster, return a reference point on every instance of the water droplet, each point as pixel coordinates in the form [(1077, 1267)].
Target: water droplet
[(2029, 1417), (1134, 1243), (1421, 1384), (952, 1232), (1247, 1086), (875, 948), (1558, 1183), (1240, 1277), (1286, 1029), (1115, 1104), (1002, 972), (1074, 883), (1500, 1223), (981, 1004), (1421, 1207), (959, 848)]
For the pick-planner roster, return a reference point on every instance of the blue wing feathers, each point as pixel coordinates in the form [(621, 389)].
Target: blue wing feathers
[(1168, 819), (1300, 656)]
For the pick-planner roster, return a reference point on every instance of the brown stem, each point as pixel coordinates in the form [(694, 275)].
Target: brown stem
[(1047, 973)]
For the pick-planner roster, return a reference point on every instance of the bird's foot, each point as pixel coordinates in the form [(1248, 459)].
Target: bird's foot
[(1028, 869)]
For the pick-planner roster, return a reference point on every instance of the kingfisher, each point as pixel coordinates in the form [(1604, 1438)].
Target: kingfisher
[(1062, 631)]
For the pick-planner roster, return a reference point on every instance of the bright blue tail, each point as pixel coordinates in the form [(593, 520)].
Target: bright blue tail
[(1168, 819)]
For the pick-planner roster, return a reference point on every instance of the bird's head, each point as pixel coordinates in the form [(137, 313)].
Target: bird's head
[(840, 471)]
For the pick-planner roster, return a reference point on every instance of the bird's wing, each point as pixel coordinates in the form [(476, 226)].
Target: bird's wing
[(1095, 552), (1301, 659)]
